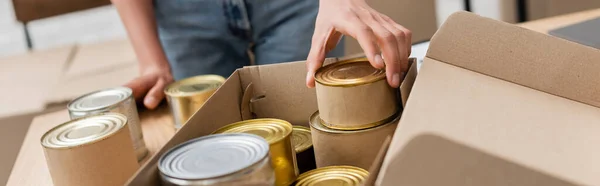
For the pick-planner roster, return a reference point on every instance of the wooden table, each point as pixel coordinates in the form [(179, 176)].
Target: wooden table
[(30, 167)]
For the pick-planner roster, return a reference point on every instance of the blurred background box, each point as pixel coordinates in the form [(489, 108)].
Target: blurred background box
[(417, 16), (537, 9)]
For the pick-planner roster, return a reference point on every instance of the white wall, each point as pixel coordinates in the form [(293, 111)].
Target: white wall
[(445, 8), (12, 37), (503, 10)]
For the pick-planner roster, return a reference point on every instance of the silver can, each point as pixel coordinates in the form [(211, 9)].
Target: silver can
[(118, 100), (220, 159)]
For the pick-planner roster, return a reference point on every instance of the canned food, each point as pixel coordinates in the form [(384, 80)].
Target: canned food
[(219, 159), (186, 96), (118, 100), (345, 147), (352, 95), (305, 155), (93, 150), (278, 134), (333, 175)]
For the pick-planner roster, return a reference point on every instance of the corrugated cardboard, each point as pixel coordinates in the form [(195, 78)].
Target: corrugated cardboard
[(496, 104), (278, 91), (537, 9), (418, 16)]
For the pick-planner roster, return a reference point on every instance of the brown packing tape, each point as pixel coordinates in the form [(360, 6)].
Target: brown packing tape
[(110, 161), (355, 148)]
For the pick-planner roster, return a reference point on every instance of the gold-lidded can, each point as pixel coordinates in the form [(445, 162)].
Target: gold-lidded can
[(186, 96), (117, 100), (353, 95), (333, 175), (305, 154), (91, 150), (347, 147), (278, 134), (218, 159)]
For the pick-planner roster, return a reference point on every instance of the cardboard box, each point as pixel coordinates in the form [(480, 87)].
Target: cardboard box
[(269, 91), (417, 16), (495, 104), (537, 9)]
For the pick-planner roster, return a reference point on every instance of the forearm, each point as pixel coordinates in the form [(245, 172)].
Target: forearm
[(140, 23)]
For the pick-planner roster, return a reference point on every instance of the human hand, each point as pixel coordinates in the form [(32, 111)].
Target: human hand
[(149, 86), (376, 33)]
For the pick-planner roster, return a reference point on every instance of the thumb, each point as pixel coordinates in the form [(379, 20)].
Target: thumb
[(323, 41), (155, 95)]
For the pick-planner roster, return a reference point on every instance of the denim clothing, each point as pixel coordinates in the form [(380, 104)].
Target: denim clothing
[(214, 36)]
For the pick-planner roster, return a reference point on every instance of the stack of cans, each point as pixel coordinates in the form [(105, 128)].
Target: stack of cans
[(357, 110), (92, 150), (104, 135)]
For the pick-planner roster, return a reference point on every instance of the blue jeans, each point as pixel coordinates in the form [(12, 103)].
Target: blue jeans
[(215, 36)]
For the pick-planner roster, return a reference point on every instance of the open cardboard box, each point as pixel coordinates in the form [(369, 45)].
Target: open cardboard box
[(494, 104)]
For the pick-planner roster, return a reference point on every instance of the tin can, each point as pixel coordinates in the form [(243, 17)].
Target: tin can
[(278, 134), (92, 150), (186, 96), (305, 154), (219, 159), (333, 175), (117, 100), (352, 95), (343, 147)]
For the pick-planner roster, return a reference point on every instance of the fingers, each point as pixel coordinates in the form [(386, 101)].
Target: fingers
[(155, 95), (389, 40), (324, 40), (353, 26), (141, 85)]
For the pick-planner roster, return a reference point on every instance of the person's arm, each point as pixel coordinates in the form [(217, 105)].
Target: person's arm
[(378, 35), (155, 73)]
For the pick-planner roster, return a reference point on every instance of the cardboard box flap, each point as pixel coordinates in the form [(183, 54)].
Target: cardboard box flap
[(465, 124), (520, 56), (220, 109)]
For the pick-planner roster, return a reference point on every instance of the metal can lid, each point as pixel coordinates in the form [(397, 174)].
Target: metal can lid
[(100, 100), (347, 73), (194, 85), (213, 156), (333, 175), (316, 123), (301, 138), (82, 131), (273, 130)]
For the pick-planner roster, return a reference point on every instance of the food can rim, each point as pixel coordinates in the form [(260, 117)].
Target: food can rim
[(360, 172), (178, 83), (108, 107), (287, 125), (315, 122), (306, 130), (345, 84), (361, 127), (263, 159), (112, 133)]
